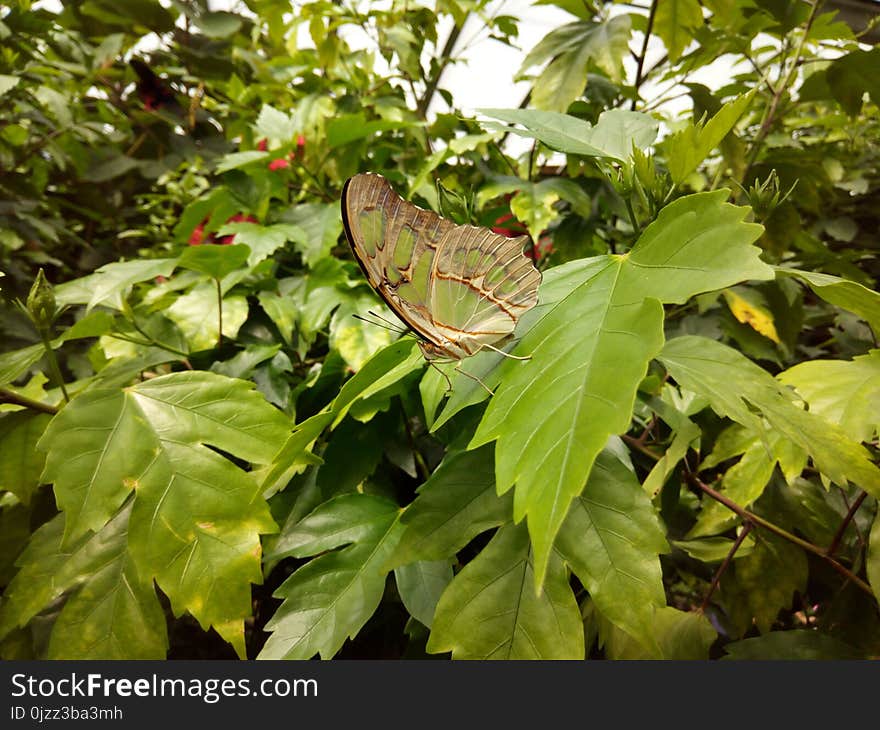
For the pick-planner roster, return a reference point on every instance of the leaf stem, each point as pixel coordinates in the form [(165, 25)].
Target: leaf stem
[(777, 530), (219, 314), (10, 396), (53, 364), (445, 57)]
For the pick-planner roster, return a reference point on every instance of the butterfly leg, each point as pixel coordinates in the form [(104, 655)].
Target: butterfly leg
[(507, 354), (448, 381), (458, 369)]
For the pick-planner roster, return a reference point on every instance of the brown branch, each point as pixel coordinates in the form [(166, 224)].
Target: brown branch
[(777, 530), (641, 61), (445, 57), (716, 579), (838, 536)]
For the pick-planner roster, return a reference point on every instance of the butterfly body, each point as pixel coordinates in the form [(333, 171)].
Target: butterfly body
[(460, 288)]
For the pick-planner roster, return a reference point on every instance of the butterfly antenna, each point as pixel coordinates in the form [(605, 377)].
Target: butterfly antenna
[(507, 354), (387, 321), (386, 325), (473, 377)]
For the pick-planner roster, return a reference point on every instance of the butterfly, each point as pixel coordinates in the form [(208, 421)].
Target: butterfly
[(459, 288)]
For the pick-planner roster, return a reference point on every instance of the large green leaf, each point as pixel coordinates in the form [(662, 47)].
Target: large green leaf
[(849, 295), (678, 636), (495, 591), (844, 392), (316, 229), (214, 259), (851, 76), (111, 613), (613, 136), (612, 539), (111, 282), (196, 314), (197, 517), (739, 389), (457, 503), (331, 597), (590, 351)]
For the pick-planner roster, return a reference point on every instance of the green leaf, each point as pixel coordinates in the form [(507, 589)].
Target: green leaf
[(346, 128), (316, 230), (872, 560), (218, 24), (843, 392), (332, 597), (675, 22), (197, 517), (679, 636), (357, 341), (235, 160), (737, 388), (688, 147), (572, 48), (110, 283), (384, 369), (111, 612), (590, 351), (843, 293), (612, 538), (791, 645), (757, 586), (262, 241), (15, 363), (714, 549), (495, 591), (294, 456), (275, 125), (196, 315), (7, 83), (457, 503), (420, 585), (851, 76), (613, 136), (20, 462), (213, 259)]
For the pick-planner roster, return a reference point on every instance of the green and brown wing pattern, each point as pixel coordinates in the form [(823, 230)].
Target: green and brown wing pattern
[(395, 243), (481, 284)]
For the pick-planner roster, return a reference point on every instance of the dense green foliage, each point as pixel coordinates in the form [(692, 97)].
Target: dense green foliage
[(203, 453)]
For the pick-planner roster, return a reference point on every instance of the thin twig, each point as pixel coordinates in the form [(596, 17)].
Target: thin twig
[(838, 536), (641, 64), (777, 530), (445, 57), (716, 579)]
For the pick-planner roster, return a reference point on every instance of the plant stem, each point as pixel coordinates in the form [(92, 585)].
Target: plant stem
[(9, 396), (770, 113), (777, 530), (641, 63), (445, 56), (219, 314), (838, 536), (53, 364), (716, 579)]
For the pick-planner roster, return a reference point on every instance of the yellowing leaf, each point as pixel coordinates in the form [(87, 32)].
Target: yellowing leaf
[(758, 317)]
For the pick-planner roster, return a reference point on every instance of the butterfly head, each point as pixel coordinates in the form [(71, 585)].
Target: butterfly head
[(432, 351)]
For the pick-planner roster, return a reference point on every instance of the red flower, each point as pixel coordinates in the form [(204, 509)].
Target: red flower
[(237, 218), (541, 250), (511, 230), (197, 237), (278, 164), (263, 145)]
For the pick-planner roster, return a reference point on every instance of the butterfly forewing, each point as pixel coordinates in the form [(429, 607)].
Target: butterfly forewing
[(394, 242), (459, 287)]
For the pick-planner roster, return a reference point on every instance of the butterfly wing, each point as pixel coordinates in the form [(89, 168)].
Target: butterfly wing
[(395, 243), (481, 284)]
